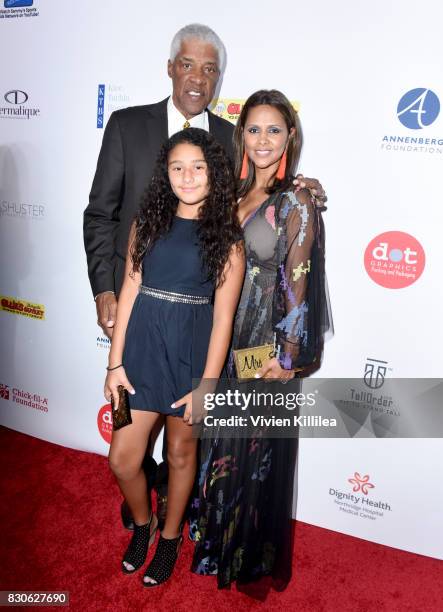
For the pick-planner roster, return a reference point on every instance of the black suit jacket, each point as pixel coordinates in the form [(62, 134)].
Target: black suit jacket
[(131, 142)]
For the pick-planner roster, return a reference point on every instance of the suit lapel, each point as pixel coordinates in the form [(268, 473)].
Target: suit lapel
[(214, 128), (157, 125)]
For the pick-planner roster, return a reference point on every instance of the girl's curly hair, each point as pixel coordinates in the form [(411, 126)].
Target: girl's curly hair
[(218, 227)]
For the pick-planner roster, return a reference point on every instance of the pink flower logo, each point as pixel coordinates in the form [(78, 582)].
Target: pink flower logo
[(361, 483)]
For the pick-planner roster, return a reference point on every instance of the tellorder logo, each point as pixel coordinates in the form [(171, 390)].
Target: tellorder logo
[(22, 307), (104, 422), (394, 260)]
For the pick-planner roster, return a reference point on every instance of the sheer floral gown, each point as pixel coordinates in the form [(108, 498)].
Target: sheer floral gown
[(241, 521)]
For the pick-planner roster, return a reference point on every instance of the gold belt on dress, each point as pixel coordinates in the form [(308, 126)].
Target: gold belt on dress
[(172, 296)]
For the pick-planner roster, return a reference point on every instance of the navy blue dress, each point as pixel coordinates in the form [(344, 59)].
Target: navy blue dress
[(167, 342)]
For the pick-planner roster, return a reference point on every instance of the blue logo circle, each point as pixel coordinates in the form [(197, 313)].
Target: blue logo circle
[(418, 108), (396, 255)]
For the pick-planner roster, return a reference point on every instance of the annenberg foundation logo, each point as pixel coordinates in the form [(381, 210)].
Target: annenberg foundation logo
[(394, 260), (104, 422), (361, 483), (418, 108), (103, 342), (22, 307), (4, 392)]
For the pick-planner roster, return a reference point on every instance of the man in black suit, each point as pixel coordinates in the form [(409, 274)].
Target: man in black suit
[(131, 142)]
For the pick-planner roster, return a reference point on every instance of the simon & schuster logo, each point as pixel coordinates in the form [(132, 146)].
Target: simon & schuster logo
[(21, 210)]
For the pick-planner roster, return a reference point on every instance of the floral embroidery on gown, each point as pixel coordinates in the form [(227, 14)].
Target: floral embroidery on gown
[(241, 521)]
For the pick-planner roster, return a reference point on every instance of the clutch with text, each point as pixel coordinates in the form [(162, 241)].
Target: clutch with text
[(249, 360), (121, 415)]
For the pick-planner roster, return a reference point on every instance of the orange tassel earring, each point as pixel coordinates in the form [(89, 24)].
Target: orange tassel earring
[(282, 167), (244, 167)]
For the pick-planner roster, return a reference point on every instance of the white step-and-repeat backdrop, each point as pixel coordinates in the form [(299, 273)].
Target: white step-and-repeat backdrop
[(368, 80)]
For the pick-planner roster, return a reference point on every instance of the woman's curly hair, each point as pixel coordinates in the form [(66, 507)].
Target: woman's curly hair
[(218, 227)]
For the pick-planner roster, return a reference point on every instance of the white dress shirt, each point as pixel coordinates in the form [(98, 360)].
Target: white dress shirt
[(176, 120)]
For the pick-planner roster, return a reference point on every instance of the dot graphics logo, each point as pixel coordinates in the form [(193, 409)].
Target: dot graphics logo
[(104, 422), (418, 108), (394, 260)]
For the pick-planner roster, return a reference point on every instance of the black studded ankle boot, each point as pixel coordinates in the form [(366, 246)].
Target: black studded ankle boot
[(142, 538)]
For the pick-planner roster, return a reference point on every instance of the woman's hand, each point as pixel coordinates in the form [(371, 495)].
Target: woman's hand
[(186, 399), (272, 370), (115, 378), (314, 186), (195, 410)]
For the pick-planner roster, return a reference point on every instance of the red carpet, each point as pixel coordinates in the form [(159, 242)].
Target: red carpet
[(60, 530)]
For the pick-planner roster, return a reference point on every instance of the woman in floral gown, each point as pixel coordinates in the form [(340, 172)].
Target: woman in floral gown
[(242, 520)]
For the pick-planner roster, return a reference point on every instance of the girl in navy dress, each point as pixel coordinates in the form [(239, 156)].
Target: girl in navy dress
[(183, 277)]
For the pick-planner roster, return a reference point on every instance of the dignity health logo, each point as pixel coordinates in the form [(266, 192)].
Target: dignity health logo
[(361, 483), (417, 110), (360, 506)]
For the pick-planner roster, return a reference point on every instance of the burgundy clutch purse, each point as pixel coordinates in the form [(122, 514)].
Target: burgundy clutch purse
[(121, 416)]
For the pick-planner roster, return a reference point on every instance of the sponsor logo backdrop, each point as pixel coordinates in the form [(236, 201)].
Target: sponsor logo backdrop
[(373, 135)]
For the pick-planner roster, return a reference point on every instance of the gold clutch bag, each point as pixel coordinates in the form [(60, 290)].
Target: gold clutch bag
[(249, 360), (121, 415)]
